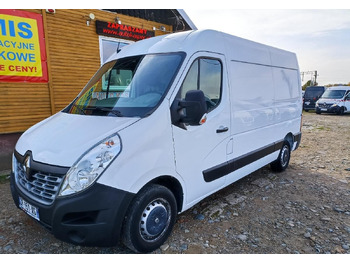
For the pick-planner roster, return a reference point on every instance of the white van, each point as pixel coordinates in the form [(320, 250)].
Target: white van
[(335, 99), (162, 125)]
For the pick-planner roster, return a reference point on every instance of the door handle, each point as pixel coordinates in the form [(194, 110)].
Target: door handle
[(222, 129)]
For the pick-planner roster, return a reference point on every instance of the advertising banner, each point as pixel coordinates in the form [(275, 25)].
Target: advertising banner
[(122, 31), (22, 47)]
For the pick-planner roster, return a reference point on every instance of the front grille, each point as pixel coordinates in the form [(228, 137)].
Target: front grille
[(41, 187), (324, 105)]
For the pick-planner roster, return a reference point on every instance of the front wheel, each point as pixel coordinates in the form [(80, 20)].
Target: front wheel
[(282, 161), (150, 219), (341, 111)]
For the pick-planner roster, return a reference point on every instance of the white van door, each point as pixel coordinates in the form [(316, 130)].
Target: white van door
[(201, 150)]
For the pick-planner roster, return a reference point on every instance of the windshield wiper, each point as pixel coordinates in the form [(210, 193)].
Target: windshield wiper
[(113, 111), (105, 109)]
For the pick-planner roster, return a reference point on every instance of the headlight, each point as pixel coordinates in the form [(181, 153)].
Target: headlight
[(334, 105), (91, 165)]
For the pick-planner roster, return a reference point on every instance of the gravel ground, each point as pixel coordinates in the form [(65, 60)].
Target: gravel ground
[(305, 209)]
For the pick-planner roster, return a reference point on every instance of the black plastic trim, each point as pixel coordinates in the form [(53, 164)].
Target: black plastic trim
[(38, 166), (232, 165)]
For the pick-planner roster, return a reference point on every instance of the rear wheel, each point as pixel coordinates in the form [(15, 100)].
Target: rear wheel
[(282, 161), (150, 219)]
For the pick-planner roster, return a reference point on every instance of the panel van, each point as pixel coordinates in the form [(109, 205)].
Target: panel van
[(163, 124), (335, 99), (311, 95)]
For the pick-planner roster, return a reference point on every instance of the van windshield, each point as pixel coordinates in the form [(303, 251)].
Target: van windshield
[(129, 87), (333, 94)]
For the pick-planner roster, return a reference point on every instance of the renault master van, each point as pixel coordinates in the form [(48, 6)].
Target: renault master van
[(335, 99), (163, 124)]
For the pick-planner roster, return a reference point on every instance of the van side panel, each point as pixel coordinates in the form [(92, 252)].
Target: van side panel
[(265, 107), (252, 96), (283, 59), (239, 49), (288, 102)]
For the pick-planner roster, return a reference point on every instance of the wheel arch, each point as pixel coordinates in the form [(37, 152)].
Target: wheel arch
[(173, 185), (290, 139)]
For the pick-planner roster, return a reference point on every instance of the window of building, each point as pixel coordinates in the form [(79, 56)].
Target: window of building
[(109, 46)]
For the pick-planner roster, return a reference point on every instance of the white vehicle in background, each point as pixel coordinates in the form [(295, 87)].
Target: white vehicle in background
[(335, 99), (163, 124)]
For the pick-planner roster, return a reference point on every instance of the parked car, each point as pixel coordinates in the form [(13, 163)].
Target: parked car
[(334, 100), (311, 95), (163, 124)]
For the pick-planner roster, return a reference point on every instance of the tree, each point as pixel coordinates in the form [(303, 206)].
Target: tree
[(309, 83)]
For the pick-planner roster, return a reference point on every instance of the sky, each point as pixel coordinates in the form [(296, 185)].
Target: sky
[(319, 37), (317, 31)]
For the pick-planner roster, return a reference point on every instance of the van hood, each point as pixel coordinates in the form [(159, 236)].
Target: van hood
[(328, 100), (62, 138)]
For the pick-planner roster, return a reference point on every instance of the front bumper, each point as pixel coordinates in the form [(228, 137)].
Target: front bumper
[(93, 217), (328, 109), (309, 107)]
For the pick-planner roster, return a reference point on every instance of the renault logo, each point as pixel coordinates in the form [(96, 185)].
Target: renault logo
[(26, 167)]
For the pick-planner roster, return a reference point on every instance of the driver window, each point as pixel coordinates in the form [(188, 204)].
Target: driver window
[(205, 74)]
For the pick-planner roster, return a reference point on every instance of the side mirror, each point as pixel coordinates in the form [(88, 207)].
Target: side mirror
[(191, 110)]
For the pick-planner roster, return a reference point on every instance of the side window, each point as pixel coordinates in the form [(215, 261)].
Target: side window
[(205, 74)]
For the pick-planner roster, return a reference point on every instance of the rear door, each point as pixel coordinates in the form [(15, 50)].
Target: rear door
[(312, 94), (201, 150)]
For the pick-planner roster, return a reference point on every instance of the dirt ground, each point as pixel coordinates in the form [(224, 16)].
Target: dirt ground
[(305, 209)]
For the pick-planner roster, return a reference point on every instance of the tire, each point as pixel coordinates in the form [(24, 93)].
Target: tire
[(341, 111), (150, 219), (282, 161)]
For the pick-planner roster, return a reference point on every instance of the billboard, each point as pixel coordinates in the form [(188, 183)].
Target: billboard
[(22, 47)]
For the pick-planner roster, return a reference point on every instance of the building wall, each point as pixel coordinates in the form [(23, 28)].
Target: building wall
[(73, 56)]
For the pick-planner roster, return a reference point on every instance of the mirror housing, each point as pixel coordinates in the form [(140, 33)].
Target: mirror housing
[(190, 110)]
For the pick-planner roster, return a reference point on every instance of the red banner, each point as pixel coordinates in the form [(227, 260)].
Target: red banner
[(122, 31)]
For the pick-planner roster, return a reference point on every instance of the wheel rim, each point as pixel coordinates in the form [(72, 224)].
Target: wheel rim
[(285, 156), (155, 220)]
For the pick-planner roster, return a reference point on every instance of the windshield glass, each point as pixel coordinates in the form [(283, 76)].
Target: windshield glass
[(333, 94), (130, 87)]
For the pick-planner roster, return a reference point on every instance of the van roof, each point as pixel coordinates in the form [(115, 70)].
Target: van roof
[(234, 48), (310, 88)]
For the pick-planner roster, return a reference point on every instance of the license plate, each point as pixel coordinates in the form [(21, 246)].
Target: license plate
[(323, 109), (29, 209)]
